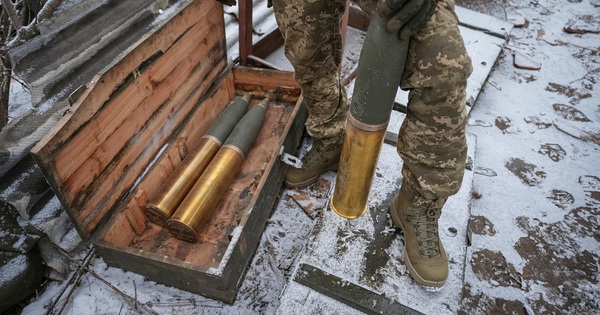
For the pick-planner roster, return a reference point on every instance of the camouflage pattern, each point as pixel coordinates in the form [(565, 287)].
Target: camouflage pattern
[(432, 140), (313, 44), (368, 6)]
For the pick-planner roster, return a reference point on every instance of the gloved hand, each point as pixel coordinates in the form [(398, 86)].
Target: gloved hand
[(228, 2), (407, 17)]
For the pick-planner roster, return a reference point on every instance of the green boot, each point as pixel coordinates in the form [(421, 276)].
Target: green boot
[(314, 163), (424, 253)]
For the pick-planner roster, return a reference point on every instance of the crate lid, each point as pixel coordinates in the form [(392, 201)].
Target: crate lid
[(95, 154)]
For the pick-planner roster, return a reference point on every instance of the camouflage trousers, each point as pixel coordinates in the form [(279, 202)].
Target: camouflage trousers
[(313, 45), (432, 139)]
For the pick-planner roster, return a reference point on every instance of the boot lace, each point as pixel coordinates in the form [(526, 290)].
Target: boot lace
[(425, 222)]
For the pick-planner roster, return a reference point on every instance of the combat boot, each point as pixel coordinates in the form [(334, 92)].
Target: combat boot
[(314, 163), (424, 253)]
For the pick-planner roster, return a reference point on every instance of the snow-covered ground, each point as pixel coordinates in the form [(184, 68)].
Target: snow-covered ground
[(535, 201)]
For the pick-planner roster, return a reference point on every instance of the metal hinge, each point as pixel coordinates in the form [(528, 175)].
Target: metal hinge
[(289, 159)]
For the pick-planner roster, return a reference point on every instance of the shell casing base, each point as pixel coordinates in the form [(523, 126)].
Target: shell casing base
[(201, 201), (183, 178)]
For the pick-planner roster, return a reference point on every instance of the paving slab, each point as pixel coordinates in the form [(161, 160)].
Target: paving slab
[(368, 251)]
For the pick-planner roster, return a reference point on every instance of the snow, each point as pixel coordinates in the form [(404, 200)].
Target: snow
[(12, 268), (513, 118), (19, 100)]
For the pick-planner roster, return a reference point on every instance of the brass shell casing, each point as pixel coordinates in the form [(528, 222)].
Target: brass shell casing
[(358, 161), (174, 190), (380, 70), (203, 198)]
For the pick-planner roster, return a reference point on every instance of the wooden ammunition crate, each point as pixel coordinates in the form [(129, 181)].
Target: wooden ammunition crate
[(135, 123)]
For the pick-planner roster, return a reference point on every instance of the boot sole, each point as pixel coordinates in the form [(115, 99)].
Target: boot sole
[(310, 180), (432, 285)]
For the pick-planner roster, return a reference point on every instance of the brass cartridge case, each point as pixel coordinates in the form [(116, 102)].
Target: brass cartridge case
[(198, 205), (173, 191), (360, 152), (380, 69)]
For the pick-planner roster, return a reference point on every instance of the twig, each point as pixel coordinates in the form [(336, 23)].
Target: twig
[(133, 302), (4, 90), (189, 302), (80, 273), (135, 293), (48, 9), (304, 208), (350, 77), (12, 14), (29, 31), (74, 277)]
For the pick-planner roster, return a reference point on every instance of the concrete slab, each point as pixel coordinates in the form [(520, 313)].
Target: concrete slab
[(368, 251)]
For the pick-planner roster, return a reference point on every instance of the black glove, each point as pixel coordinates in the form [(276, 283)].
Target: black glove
[(407, 17), (228, 2)]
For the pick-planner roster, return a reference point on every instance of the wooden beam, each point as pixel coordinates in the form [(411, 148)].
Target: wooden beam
[(245, 31), (344, 23), (358, 19), (266, 45), (349, 293)]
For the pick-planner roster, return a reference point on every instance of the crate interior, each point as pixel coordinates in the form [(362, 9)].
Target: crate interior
[(129, 227)]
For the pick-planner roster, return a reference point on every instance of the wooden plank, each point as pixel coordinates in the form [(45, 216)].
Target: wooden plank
[(135, 214), (110, 186), (158, 240), (119, 132), (267, 44), (359, 19), (118, 111), (101, 87), (167, 271), (265, 78), (199, 121), (201, 254), (148, 110), (245, 30), (121, 232), (349, 293)]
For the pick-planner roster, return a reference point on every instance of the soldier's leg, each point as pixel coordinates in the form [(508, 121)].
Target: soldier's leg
[(432, 141), (313, 44)]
